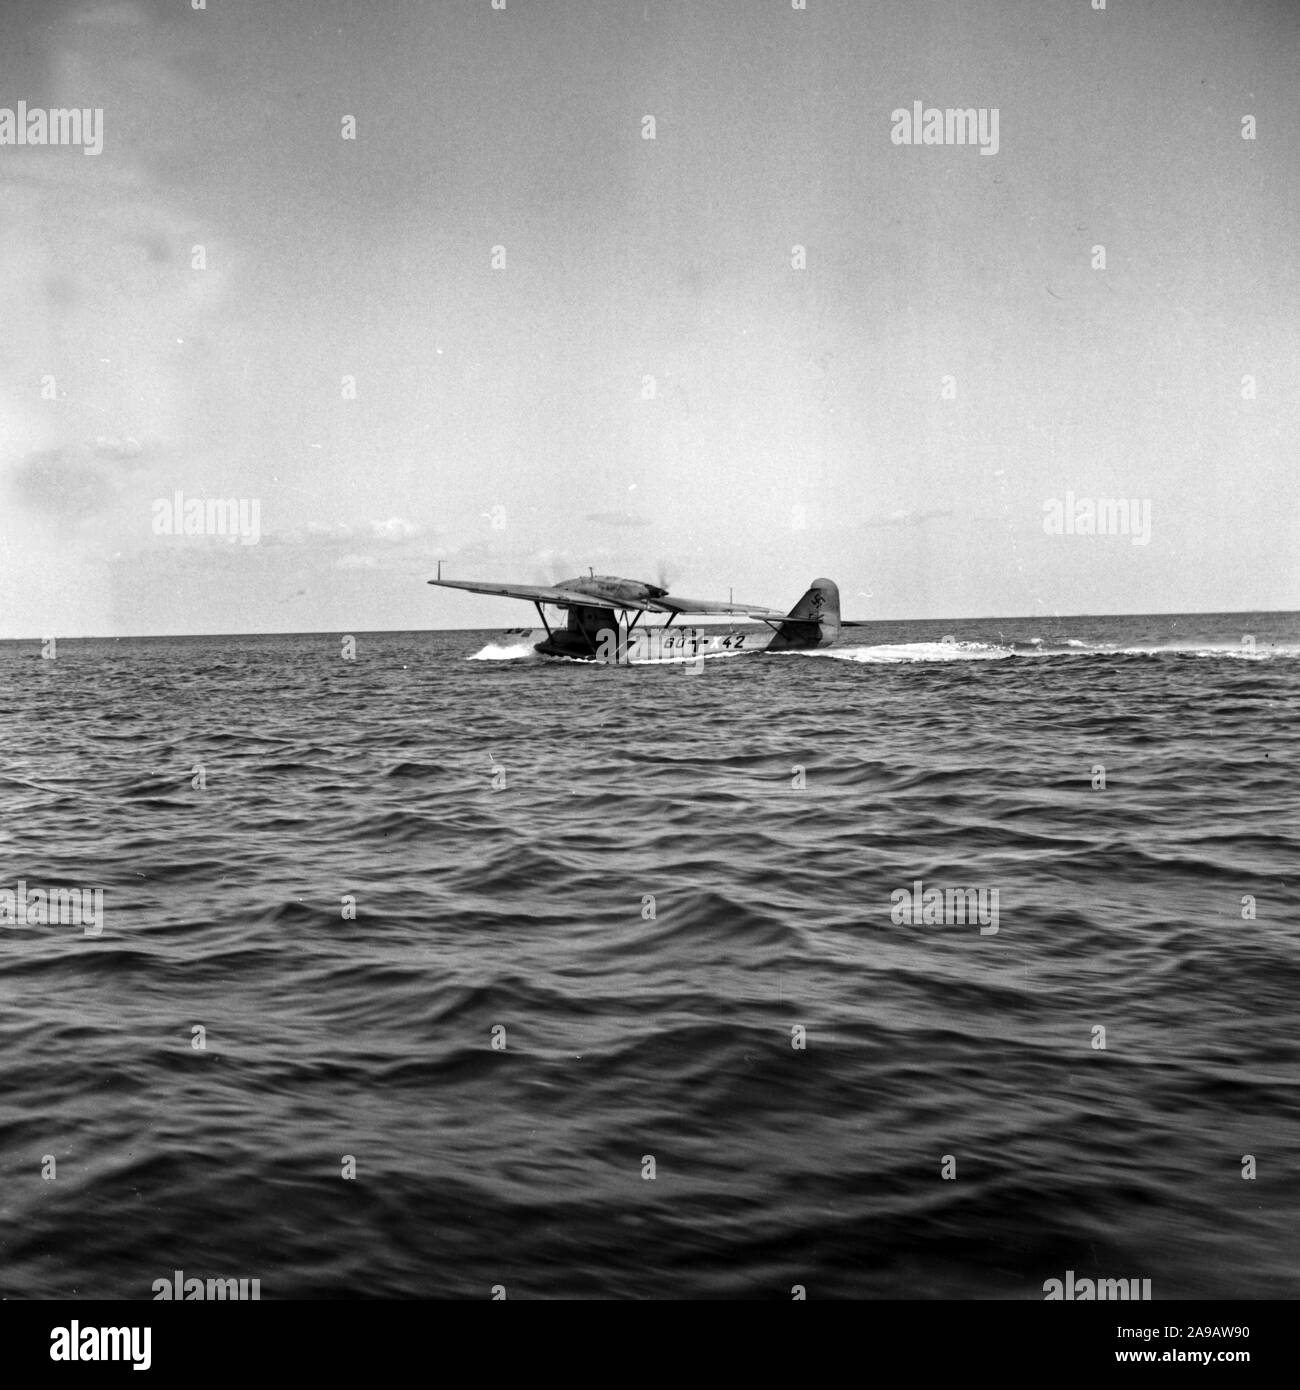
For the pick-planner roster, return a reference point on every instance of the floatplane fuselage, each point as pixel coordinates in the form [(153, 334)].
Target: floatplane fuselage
[(606, 620)]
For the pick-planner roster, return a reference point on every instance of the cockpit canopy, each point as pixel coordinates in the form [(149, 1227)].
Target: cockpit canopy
[(609, 586)]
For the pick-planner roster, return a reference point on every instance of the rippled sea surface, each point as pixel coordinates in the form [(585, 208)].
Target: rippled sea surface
[(648, 887)]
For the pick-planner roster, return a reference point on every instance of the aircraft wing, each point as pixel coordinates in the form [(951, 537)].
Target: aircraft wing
[(541, 593), (670, 604)]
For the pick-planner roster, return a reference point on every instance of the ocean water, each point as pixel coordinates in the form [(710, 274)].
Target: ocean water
[(672, 901)]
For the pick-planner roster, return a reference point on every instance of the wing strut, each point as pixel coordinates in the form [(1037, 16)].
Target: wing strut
[(542, 616)]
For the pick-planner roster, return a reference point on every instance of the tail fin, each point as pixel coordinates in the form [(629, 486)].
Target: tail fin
[(813, 622)]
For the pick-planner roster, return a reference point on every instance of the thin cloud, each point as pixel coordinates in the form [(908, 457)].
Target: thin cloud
[(904, 517), (617, 519)]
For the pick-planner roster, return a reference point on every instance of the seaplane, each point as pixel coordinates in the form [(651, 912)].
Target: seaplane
[(605, 615)]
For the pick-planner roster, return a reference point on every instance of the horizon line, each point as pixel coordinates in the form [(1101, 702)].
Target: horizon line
[(497, 627)]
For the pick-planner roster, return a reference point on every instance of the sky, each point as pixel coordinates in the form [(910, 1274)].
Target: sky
[(504, 329)]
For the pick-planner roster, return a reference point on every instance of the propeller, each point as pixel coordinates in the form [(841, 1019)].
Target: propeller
[(550, 567)]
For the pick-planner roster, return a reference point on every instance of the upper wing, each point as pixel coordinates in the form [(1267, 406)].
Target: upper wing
[(569, 598), (540, 593), (669, 604)]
